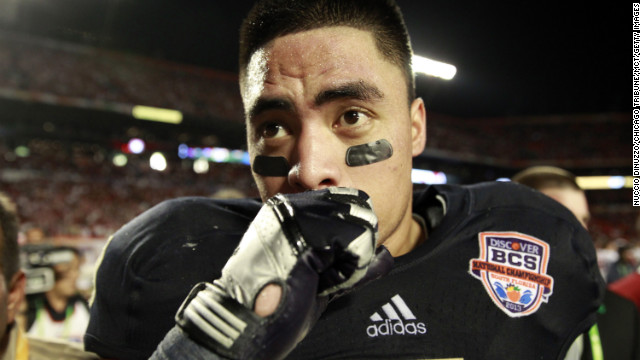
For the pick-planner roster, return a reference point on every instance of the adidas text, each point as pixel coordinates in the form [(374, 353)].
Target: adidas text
[(396, 327)]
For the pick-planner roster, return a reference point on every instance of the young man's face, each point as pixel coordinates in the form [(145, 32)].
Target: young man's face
[(311, 97), (66, 277)]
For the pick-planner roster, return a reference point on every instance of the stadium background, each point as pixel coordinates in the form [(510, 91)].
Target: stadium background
[(536, 84)]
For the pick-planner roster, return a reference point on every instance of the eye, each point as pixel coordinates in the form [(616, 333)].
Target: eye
[(353, 117), (272, 130)]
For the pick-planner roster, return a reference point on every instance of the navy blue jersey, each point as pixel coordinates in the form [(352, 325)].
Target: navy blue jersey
[(505, 273)]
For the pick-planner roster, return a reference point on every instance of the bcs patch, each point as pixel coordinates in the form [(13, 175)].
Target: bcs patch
[(513, 269)]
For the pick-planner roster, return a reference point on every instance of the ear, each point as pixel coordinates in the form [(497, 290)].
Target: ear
[(418, 126), (16, 295)]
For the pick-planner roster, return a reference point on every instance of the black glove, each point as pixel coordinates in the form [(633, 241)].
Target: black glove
[(314, 245)]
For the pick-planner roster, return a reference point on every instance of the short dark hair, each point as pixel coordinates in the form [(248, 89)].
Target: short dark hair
[(544, 177), (269, 19), (9, 238)]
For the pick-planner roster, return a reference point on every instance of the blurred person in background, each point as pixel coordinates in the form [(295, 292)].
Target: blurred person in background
[(628, 287), (14, 343), (616, 335), (61, 312), (559, 185), (607, 252), (34, 235), (625, 265)]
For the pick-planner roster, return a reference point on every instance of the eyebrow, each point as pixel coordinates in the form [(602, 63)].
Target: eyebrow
[(267, 104), (359, 90)]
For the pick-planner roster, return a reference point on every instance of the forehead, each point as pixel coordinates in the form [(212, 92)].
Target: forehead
[(338, 43), (318, 57)]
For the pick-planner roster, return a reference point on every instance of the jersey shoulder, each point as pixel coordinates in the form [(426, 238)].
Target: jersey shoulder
[(487, 196), (150, 264)]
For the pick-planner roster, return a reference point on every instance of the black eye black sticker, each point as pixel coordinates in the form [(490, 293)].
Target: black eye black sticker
[(271, 165), (369, 153), (357, 155)]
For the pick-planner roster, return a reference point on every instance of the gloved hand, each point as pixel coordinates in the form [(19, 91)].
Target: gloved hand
[(314, 245)]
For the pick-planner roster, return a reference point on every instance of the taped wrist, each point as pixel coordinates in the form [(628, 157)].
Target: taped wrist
[(220, 323)]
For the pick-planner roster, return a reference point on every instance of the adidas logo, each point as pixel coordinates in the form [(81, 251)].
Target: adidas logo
[(393, 324)]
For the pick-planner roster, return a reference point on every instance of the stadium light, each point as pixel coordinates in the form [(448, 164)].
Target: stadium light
[(158, 162), (136, 146), (214, 154), (604, 182), (427, 66), (421, 176), (119, 160), (201, 166), (156, 114), (22, 151)]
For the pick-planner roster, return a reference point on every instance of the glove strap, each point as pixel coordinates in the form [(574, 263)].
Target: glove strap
[(218, 322)]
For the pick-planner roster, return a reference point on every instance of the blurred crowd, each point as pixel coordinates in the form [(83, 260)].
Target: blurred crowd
[(72, 196), (71, 71), (578, 140), (46, 68)]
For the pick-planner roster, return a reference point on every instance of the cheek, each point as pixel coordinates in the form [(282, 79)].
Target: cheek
[(403, 143), (389, 184), (383, 180), (269, 185)]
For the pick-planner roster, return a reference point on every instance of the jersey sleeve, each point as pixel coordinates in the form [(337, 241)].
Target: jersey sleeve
[(149, 266)]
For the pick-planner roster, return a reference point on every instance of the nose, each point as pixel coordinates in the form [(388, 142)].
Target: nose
[(318, 160)]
